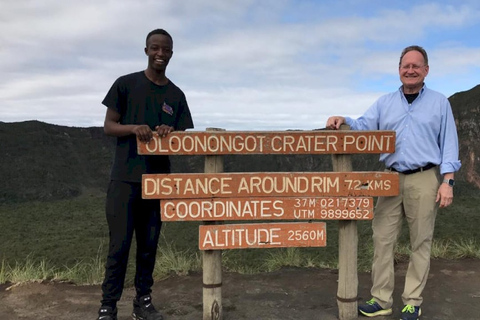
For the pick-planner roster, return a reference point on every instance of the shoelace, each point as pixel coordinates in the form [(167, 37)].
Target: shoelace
[(371, 301), (409, 308), (148, 306)]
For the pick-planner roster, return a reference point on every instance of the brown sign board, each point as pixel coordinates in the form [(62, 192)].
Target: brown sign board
[(269, 142), (284, 184), (262, 235), (268, 208)]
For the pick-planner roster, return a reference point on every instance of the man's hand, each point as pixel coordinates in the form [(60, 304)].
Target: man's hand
[(143, 133), (335, 122), (163, 130), (445, 195)]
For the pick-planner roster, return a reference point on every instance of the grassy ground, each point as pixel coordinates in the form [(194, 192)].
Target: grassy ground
[(67, 240)]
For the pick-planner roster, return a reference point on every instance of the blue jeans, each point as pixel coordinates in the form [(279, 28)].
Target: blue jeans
[(127, 213)]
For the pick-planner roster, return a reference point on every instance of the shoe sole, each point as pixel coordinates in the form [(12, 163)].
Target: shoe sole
[(386, 312), (135, 317)]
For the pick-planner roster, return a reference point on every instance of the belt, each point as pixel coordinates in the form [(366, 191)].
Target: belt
[(428, 166)]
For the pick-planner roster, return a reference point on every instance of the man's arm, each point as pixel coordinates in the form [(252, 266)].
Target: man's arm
[(449, 155)]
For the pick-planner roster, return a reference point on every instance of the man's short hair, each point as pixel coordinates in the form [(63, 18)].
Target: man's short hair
[(158, 31), (414, 48)]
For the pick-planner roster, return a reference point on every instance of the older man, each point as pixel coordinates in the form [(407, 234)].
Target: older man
[(426, 158)]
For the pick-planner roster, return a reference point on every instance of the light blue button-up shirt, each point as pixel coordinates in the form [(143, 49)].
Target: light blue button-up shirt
[(426, 131)]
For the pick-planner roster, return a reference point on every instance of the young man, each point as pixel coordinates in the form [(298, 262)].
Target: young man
[(426, 157), (138, 104)]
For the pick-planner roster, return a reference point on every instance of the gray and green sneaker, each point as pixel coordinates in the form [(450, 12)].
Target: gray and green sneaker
[(372, 309), (410, 312)]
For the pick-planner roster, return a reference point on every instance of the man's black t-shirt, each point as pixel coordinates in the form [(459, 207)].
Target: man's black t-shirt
[(140, 101)]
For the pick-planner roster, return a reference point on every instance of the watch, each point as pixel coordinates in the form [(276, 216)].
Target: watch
[(450, 182)]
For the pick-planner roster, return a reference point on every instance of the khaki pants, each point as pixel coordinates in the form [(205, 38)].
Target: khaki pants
[(416, 202)]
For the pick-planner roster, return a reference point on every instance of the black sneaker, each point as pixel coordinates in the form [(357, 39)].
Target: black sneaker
[(410, 312), (143, 309), (107, 313)]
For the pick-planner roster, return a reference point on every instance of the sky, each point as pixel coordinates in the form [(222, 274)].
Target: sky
[(244, 65)]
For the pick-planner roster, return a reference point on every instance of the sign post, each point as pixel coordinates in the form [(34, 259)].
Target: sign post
[(347, 290), (212, 259)]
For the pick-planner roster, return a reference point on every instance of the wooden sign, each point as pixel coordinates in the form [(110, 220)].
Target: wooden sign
[(262, 235), (269, 142), (284, 184), (284, 208)]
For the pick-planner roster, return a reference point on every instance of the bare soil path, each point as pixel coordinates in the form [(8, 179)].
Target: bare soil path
[(452, 292)]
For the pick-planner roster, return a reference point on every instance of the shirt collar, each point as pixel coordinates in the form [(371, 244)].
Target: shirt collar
[(419, 93)]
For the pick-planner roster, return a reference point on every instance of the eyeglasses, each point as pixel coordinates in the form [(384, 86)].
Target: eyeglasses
[(413, 66)]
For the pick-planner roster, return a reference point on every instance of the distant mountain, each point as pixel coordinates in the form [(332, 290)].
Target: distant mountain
[(466, 110), (41, 161)]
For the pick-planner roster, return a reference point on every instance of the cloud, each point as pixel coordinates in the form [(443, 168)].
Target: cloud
[(243, 64)]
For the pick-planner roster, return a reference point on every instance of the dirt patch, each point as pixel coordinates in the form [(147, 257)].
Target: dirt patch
[(452, 292)]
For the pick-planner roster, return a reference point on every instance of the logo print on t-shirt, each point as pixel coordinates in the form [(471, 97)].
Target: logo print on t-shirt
[(167, 109)]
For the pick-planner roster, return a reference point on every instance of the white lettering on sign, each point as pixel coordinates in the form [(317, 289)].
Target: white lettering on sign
[(219, 209), (368, 184), (168, 186), (366, 143), (228, 185), (267, 208), (335, 202), (306, 235), (262, 235), (249, 185), (241, 237), (216, 143), (285, 184), (306, 142)]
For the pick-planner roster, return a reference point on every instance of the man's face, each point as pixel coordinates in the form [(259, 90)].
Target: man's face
[(412, 71), (159, 51)]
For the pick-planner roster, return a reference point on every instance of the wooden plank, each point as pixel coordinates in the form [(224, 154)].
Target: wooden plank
[(285, 184), (268, 208), (269, 142), (262, 235)]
